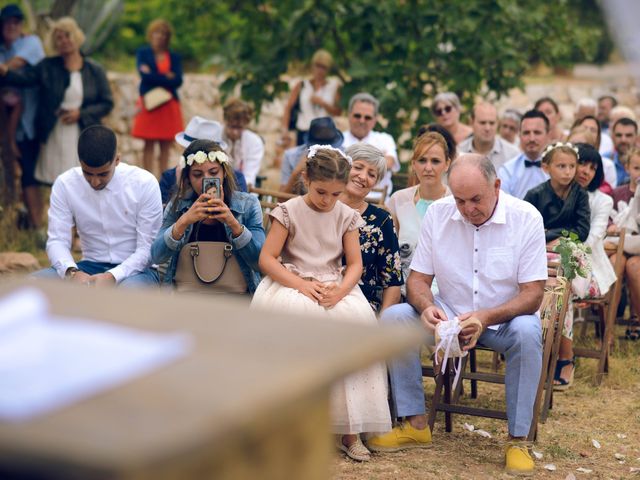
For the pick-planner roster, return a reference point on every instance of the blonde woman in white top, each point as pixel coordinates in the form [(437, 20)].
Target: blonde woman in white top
[(318, 96), (430, 162)]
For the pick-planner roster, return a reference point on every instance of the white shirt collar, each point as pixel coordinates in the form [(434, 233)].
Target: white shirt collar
[(499, 214), (116, 182)]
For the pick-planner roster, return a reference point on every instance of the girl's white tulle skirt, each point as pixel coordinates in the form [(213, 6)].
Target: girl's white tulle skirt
[(359, 401)]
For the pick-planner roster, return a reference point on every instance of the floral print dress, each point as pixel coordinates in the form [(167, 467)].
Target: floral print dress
[(380, 255)]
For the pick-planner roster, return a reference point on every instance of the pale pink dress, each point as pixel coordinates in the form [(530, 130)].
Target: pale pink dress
[(314, 250)]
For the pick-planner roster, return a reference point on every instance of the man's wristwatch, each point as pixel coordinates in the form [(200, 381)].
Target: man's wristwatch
[(71, 271)]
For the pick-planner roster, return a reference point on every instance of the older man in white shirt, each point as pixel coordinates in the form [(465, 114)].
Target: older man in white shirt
[(363, 115), (487, 251), (246, 147), (485, 141), (117, 211)]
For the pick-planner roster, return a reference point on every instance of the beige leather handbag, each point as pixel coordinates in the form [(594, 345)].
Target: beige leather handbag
[(155, 98), (209, 267)]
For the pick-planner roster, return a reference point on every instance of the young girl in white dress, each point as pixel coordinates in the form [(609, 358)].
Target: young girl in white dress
[(311, 234)]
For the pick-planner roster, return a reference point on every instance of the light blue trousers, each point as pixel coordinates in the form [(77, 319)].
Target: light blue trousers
[(519, 339)]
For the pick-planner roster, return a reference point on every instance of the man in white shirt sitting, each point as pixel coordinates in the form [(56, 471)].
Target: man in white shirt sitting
[(117, 211), (363, 115), (485, 141), (487, 251)]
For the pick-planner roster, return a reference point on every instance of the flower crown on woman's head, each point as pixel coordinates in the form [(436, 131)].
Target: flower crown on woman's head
[(200, 157), (313, 149), (552, 146)]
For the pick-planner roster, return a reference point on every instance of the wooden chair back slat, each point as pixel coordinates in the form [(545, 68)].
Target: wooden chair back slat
[(607, 310), (269, 199)]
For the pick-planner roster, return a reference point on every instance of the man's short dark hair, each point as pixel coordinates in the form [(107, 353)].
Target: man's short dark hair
[(550, 100), (624, 121), (614, 101), (536, 114), (97, 146)]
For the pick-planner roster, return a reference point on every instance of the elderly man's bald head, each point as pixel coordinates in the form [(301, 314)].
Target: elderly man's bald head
[(474, 186), (474, 161)]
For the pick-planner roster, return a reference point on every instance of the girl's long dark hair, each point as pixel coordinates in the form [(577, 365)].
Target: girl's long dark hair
[(184, 186)]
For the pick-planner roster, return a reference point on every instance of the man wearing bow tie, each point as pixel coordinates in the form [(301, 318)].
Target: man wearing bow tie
[(522, 173)]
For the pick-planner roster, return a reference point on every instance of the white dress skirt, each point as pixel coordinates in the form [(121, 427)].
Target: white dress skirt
[(60, 152), (359, 401)]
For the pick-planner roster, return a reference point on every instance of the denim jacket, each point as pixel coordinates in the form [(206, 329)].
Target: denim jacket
[(246, 247)]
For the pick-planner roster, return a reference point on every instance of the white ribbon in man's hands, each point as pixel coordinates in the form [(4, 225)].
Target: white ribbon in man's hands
[(448, 343)]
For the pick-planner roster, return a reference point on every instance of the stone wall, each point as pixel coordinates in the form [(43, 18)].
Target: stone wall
[(200, 96)]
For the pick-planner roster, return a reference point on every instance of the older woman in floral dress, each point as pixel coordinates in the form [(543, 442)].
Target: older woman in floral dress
[(382, 276)]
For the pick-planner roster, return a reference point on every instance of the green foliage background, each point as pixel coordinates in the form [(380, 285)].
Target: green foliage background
[(402, 51)]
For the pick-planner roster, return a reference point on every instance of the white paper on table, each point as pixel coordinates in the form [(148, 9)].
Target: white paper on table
[(49, 362)]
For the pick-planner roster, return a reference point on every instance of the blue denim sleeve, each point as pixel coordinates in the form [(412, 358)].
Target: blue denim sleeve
[(249, 243)]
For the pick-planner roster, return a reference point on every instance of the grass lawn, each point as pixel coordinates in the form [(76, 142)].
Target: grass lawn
[(609, 414)]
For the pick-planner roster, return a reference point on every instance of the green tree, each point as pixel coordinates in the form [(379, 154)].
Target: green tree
[(404, 51), (201, 28), (96, 19)]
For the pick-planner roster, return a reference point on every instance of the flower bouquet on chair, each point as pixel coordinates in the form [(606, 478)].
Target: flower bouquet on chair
[(575, 262)]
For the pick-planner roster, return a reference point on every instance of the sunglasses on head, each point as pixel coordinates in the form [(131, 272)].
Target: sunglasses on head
[(441, 111), (359, 116)]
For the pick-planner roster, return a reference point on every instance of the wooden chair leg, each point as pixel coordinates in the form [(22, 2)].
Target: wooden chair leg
[(437, 394), (447, 398), (602, 362), (548, 394), (600, 325), (474, 368), (606, 338), (533, 431), (495, 362)]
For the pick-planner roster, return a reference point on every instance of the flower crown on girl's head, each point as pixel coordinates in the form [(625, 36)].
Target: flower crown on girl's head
[(552, 146), (200, 157), (313, 149)]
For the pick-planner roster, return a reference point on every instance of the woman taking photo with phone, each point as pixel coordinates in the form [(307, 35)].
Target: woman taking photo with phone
[(212, 242)]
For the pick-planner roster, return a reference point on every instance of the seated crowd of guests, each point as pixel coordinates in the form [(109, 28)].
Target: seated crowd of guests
[(468, 237)]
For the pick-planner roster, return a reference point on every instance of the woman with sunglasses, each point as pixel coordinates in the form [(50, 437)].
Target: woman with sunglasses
[(312, 98), (446, 110)]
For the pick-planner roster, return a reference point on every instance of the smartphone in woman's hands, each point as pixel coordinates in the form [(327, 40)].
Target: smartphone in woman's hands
[(211, 185)]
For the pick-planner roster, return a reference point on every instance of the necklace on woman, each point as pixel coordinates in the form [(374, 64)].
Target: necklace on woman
[(419, 196), (361, 207)]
